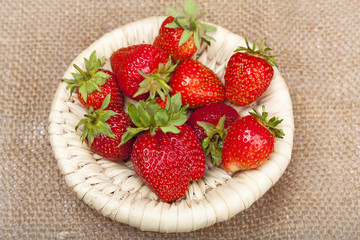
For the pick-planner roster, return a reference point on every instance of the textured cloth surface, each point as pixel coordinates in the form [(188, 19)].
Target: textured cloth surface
[(318, 197)]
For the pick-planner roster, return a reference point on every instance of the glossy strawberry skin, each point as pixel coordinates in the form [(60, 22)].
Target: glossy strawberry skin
[(246, 78), (168, 41), (167, 162), (126, 61), (211, 113), (96, 98), (161, 103), (107, 147), (247, 145), (197, 83)]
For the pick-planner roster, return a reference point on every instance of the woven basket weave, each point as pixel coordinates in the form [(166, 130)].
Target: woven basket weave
[(115, 191)]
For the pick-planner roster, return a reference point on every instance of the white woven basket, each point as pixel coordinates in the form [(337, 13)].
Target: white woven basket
[(115, 191)]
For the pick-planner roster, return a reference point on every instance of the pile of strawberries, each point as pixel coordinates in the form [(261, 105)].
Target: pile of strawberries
[(167, 146)]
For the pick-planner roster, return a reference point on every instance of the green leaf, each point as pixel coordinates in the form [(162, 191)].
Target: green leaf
[(171, 129), (81, 122), (161, 117), (192, 26), (168, 104), (106, 115), (208, 28), (175, 103), (105, 102), (178, 120), (144, 87), (91, 86), (182, 22), (92, 61), (208, 127), (197, 39), (77, 76), (143, 115), (191, 8), (254, 44), (87, 63), (83, 92), (200, 15), (130, 133), (134, 115), (247, 43), (104, 128), (152, 131), (221, 123), (101, 74), (204, 144), (185, 36), (153, 106), (161, 94), (173, 24), (174, 12), (262, 45), (207, 37), (216, 154)]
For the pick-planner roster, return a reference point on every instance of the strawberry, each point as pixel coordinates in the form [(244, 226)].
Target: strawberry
[(211, 113), (103, 129), (248, 74), (210, 123), (168, 155), (250, 141), (94, 84), (180, 34), (142, 71), (162, 103), (197, 83)]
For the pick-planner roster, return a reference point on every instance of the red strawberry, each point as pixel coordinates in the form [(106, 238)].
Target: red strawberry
[(144, 66), (168, 155), (103, 129), (210, 124), (161, 102), (94, 84), (211, 113), (180, 33), (163, 161), (198, 84), (248, 74), (250, 141)]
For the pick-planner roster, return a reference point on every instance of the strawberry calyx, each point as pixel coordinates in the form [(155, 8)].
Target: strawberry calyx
[(270, 124), (88, 81), (213, 143), (261, 52), (189, 21), (149, 115), (95, 122), (157, 83)]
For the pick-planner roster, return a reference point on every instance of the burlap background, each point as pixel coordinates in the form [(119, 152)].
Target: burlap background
[(318, 197)]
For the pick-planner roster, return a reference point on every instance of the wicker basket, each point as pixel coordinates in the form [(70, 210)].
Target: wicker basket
[(115, 191)]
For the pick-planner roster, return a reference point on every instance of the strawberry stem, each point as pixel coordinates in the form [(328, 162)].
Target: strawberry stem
[(157, 83), (261, 53), (85, 76), (213, 143), (95, 122), (269, 124), (87, 81), (189, 21), (149, 116)]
